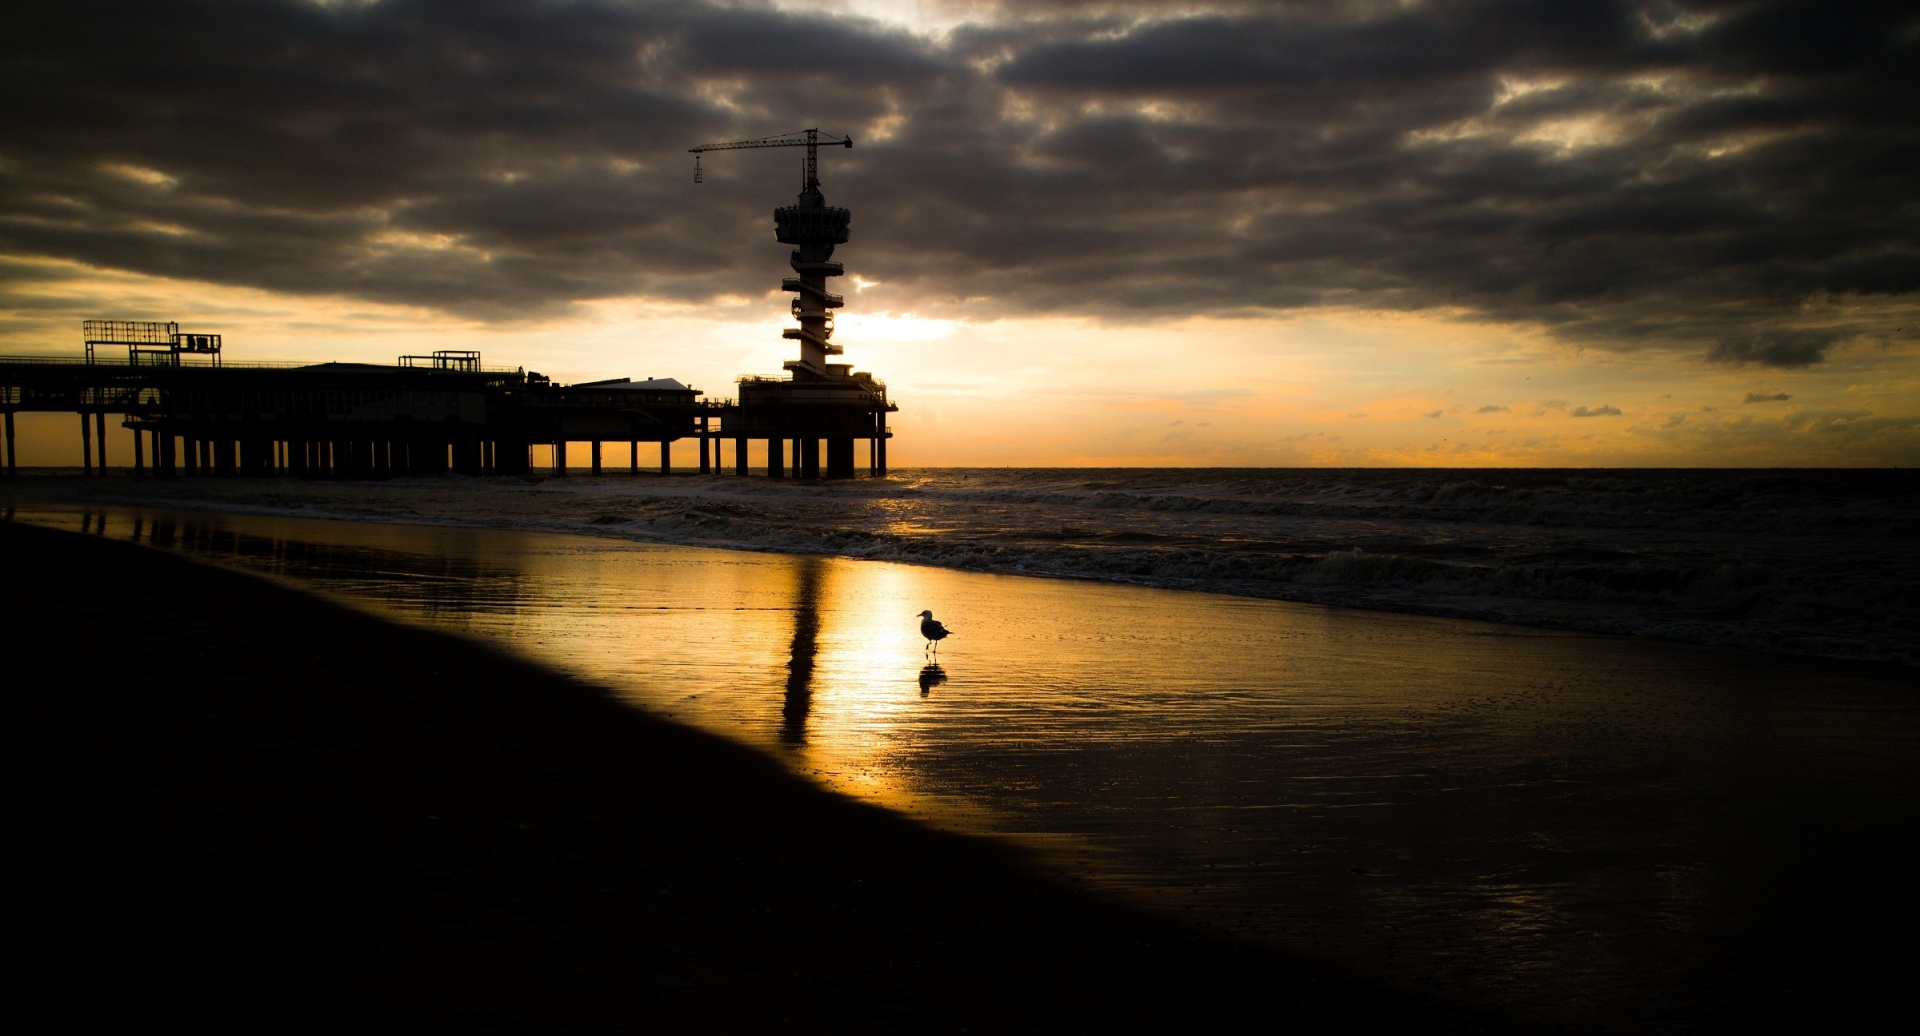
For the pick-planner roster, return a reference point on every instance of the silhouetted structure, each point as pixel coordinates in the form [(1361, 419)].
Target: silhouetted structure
[(820, 400), (192, 413), (423, 415)]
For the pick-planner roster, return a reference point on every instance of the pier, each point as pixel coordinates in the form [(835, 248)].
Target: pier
[(191, 413)]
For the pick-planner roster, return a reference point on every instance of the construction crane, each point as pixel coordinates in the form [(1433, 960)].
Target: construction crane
[(809, 139)]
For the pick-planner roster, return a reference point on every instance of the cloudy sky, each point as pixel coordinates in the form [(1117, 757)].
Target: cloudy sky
[(1350, 233)]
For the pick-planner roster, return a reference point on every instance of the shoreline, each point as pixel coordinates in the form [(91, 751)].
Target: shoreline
[(252, 808), (676, 512)]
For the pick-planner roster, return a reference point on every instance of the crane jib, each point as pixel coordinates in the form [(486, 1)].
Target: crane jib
[(809, 139)]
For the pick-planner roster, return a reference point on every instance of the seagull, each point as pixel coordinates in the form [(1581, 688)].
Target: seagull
[(932, 630)]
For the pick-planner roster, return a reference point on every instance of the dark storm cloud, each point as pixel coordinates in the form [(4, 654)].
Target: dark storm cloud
[(504, 156), (1729, 179), (1777, 348)]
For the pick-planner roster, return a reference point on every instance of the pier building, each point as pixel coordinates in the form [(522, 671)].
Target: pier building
[(192, 411)]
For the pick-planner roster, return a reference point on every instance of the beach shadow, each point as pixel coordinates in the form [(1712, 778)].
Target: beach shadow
[(808, 574), (931, 676)]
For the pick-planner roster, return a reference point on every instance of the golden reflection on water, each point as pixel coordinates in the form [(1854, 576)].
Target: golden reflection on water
[(815, 659), (1432, 800), (853, 652)]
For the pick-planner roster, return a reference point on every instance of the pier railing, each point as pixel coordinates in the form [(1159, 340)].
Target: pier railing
[(122, 363)]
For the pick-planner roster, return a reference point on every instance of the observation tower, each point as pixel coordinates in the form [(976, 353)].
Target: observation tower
[(820, 399), (813, 227)]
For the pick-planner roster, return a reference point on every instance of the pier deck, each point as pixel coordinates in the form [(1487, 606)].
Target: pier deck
[(353, 420)]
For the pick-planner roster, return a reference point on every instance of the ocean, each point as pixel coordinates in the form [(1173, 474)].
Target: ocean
[(1821, 563)]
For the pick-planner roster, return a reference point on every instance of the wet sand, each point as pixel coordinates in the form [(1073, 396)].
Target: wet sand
[(243, 808), (1574, 833)]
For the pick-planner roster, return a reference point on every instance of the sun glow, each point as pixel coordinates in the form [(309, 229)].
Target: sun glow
[(1343, 387), (881, 327)]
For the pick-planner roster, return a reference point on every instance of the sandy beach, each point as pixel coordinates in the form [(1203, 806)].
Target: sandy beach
[(1170, 807), (247, 809)]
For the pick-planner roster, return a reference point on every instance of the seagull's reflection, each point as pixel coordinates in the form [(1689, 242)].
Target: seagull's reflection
[(930, 677), (806, 638)]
